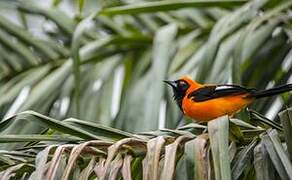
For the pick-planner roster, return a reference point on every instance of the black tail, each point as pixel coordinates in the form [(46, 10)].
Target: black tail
[(272, 91)]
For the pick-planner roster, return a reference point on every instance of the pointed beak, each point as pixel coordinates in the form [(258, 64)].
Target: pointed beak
[(171, 83)]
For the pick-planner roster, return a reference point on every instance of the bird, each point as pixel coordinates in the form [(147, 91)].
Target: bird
[(205, 102)]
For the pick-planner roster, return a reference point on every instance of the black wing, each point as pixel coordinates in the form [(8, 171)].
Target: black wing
[(212, 92)]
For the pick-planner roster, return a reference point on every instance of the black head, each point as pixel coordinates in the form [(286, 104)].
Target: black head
[(179, 88)]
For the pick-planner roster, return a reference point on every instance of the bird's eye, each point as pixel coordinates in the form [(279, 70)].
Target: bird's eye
[(182, 85)]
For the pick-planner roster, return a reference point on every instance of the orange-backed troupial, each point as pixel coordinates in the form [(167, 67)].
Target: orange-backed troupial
[(204, 102)]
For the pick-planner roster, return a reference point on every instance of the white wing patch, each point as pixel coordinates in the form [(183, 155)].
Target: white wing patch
[(223, 87)]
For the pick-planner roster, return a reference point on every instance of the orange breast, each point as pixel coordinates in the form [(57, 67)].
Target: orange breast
[(211, 109)]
